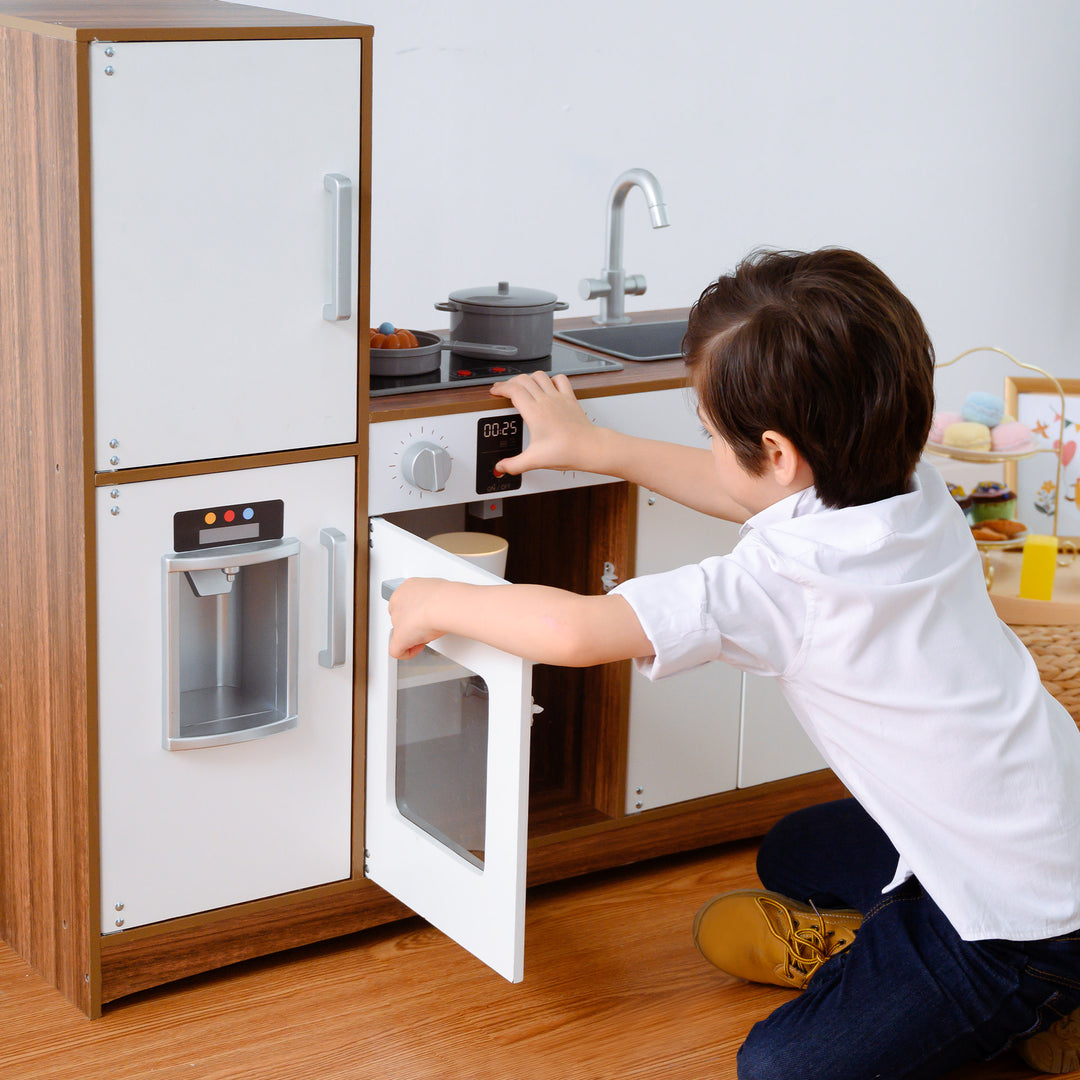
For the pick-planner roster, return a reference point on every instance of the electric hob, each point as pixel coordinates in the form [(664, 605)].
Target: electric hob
[(457, 370)]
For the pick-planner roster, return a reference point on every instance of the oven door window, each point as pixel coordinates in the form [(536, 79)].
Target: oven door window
[(447, 767), (440, 780)]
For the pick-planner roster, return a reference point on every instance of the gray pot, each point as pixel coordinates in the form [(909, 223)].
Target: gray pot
[(517, 317)]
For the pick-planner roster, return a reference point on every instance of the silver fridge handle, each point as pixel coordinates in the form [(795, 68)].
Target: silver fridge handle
[(340, 187), (335, 542)]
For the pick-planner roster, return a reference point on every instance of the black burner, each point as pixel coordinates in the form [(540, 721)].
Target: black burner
[(456, 370)]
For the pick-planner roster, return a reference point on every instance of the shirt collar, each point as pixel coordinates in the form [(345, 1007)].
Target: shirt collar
[(791, 506), (806, 502)]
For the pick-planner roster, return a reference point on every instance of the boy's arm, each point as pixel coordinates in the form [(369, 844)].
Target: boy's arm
[(542, 624), (562, 437)]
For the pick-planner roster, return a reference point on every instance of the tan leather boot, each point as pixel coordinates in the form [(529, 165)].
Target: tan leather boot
[(765, 937), (1057, 1049)]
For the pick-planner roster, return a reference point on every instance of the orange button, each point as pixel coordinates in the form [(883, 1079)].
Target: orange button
[(210, 518)]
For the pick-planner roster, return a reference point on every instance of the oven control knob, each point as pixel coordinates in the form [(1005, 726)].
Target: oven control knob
[(426, 466)]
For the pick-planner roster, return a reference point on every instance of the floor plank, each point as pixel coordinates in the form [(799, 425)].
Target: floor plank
[(613, 989)]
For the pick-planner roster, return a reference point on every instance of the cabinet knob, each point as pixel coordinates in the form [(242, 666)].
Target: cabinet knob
[(426, 466)]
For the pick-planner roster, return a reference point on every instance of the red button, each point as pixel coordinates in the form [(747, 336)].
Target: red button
[(228, 515), (463, 373), (498, 371)]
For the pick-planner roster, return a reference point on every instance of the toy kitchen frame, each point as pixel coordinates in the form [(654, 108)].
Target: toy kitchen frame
[(106, 440)]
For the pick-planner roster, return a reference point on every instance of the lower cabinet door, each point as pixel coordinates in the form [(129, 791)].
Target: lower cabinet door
[(250, 794), (447, 767)]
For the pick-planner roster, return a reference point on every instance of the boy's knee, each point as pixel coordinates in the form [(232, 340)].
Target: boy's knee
[(768, 1055), (761, 1058)]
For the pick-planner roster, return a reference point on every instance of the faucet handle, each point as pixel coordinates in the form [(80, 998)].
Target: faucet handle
[(590, 288), (634, 285)]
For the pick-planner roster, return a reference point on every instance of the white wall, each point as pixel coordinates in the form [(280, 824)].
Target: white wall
[(939, 137)]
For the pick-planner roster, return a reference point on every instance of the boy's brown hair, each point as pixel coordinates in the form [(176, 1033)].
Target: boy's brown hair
[(823, 348)]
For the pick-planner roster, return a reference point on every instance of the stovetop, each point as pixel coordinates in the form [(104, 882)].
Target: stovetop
[(456, 370)]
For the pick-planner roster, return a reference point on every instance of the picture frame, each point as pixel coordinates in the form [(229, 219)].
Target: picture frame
[(1036, 403)]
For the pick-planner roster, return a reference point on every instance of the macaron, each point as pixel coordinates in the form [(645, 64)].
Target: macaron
[(967, 435), (982, 408), (942, 420), (1010, 436)]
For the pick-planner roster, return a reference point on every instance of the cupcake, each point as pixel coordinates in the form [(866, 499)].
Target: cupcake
[(963, 500), (992, 500), (942, 420)]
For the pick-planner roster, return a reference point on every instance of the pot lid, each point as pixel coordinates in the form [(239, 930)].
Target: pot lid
[(503, 297)]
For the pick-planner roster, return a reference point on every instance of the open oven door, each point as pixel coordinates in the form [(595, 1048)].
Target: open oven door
[(447, 767)]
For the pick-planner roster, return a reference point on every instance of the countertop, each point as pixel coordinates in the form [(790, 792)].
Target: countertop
[(635, 377)]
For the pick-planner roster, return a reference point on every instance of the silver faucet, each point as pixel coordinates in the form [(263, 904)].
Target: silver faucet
[(614, 284)]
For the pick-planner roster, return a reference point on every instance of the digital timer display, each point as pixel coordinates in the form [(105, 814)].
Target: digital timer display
[(497, 437), (508, 427)]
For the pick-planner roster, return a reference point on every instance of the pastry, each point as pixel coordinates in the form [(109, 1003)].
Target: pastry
[(1007, 526), (942, 420), (387, 336), (1010, 436), (982, 408), (992, 500), (967, 436)]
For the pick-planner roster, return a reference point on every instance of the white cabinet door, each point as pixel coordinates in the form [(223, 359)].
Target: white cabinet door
[(773, 743), (684, 731), (214, 252), (447, 767), (189, 830)]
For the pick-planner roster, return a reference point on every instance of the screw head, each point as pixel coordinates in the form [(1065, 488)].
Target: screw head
[(114, 460), (110, 70), (114, 443), (110, 51), (114, 510)]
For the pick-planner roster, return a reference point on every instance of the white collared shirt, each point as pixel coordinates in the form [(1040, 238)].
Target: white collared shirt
[(876, 622)]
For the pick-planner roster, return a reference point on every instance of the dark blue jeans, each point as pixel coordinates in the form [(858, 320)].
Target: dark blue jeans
[(909, 999)]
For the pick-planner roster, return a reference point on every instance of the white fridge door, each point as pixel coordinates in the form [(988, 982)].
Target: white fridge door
[(215, 247), (185, 831), (447, 767)]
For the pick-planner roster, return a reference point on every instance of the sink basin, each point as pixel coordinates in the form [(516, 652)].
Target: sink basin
[(632, 341)]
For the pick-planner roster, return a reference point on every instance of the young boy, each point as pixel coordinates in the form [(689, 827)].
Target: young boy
[(934, 918)]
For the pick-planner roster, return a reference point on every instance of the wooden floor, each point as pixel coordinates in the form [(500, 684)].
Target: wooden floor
[(613, 989)]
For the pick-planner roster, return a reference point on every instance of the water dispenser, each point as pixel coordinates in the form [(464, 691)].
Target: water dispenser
[(230, 614)]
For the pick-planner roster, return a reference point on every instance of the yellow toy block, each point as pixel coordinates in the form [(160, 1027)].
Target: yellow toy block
[(1037, 568)]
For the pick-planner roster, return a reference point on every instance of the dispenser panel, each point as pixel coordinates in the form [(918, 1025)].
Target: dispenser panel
[(234, 523)]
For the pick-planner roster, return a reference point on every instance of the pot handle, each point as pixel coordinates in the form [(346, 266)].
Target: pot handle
[(474, 348), (560, 305), (446, 305)]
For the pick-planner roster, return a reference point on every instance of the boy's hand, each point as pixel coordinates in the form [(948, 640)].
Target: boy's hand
[(561, 436), (411, 630)]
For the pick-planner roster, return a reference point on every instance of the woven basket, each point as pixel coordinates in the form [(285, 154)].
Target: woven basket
[(1056, 650)]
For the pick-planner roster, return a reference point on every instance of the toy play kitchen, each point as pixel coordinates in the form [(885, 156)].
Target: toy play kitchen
[(194, 607)]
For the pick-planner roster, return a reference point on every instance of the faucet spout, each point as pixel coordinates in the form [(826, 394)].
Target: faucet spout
[(614, 284), (654, 198)]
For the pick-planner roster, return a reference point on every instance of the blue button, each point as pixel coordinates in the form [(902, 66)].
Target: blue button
[(248, 513)]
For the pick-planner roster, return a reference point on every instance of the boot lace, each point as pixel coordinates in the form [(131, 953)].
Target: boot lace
[(806, 947)]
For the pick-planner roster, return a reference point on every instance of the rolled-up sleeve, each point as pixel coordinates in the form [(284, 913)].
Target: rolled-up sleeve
[(737, 609)]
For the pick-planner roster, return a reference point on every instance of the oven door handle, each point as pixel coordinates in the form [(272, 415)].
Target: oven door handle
[(336, 543)]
